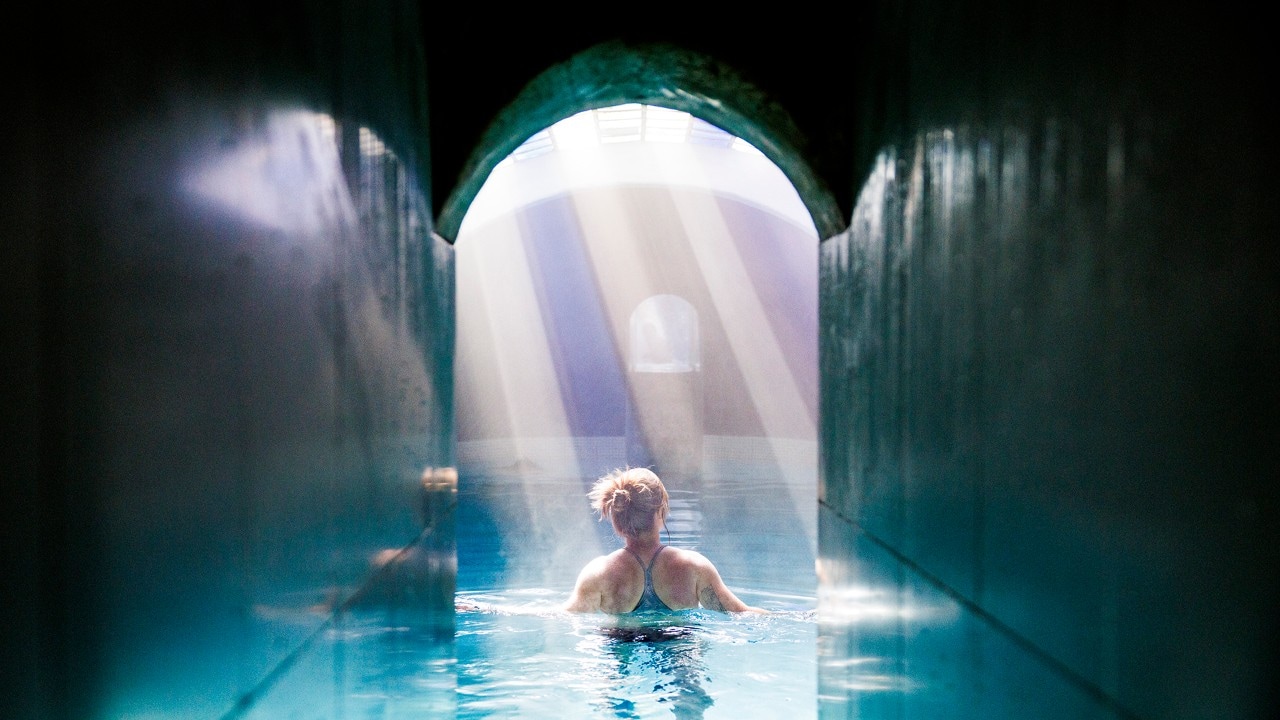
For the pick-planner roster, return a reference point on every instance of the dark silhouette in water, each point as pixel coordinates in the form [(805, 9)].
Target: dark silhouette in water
[(671, 652)]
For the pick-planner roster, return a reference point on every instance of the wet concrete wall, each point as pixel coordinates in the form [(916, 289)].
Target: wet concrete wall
[(1048, 342), (230, 378)]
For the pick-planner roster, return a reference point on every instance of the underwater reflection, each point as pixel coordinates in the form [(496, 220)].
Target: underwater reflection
[(670, 657)]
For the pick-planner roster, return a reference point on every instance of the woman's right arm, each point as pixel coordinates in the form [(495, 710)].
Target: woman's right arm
[(587, 591)]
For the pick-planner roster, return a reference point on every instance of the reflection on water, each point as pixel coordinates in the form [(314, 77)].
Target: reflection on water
[(520, 657), (684, 521), (527, 535), (364, 664), (382, 649), (672, 657)]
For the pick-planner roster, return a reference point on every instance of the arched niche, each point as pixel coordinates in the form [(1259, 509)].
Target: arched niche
[(665, 418), (664, 336)]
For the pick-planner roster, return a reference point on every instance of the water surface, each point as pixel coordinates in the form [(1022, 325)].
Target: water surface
[(518, 656)]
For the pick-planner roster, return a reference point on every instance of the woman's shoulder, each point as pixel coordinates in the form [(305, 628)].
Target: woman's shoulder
[(685, 556), (600, 564)]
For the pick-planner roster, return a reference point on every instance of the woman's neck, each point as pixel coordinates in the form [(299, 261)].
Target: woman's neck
[(644, 543)]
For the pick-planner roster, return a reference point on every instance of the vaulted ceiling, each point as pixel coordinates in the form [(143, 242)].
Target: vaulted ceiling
[(771, 81)]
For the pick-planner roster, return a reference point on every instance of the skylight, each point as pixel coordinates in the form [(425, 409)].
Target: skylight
[(633, 144), (632, 122)]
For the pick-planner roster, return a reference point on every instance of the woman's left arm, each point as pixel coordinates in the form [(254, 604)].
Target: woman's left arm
[(713, 594)]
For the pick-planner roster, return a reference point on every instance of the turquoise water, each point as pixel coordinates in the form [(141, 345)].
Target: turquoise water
[(519, 657), (521, 542), (398, 649)]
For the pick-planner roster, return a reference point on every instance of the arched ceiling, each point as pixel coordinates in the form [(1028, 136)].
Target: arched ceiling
[(610, 73)]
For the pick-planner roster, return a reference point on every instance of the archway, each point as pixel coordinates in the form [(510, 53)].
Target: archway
[(747, 341), (618, 73)]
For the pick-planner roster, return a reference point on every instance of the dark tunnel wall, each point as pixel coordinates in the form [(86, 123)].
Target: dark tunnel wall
[(1048, 359), (229, 380)]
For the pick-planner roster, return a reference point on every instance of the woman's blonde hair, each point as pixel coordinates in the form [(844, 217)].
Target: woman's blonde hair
[(629, 497)]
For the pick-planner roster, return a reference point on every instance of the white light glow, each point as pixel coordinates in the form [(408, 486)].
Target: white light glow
[(284, 174), (610, 237)]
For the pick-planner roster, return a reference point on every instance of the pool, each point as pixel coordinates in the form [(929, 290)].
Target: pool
[(520, 658), (511, 653), (523, 538)]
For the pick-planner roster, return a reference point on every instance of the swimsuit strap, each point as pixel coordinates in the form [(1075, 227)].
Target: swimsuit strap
[(652, 560), (649, 599)]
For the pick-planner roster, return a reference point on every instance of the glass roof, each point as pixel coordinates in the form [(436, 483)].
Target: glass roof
[(632, 122), (639, 145)]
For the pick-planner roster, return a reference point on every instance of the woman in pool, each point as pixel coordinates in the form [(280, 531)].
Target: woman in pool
[(645, 574)]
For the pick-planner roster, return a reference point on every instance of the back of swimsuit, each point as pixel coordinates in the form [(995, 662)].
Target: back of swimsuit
[(649, 599)]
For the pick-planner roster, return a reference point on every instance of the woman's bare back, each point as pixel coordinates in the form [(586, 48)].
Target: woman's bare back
[(682, 579)]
